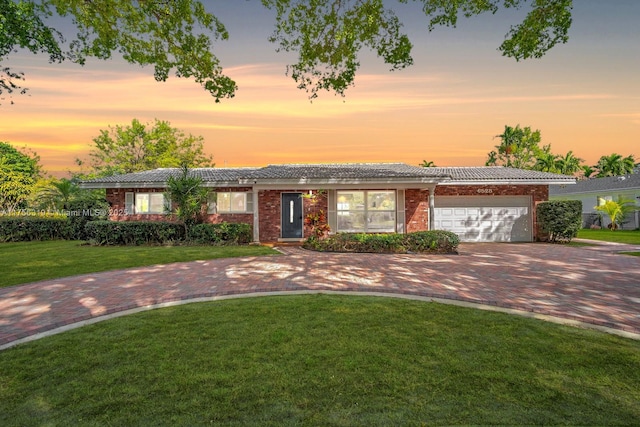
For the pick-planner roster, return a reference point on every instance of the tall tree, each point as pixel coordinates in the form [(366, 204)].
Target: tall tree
[(519, 148), (629, 164), (546, 161), (326, 35), (137, 147), (587, 171), (568, 164), (615, 165), (19, 171)]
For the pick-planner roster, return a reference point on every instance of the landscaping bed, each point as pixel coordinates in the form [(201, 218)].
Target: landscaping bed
[(434, 241)]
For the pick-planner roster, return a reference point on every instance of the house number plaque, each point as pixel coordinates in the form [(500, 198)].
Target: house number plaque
[(484, 190)]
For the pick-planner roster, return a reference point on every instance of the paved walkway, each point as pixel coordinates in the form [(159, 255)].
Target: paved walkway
[(590, 284)]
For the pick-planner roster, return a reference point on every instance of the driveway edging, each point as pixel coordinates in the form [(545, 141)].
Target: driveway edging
[(456, 302)]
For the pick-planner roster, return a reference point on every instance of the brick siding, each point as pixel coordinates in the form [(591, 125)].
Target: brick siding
[(116, 199), (416, 205), (269, 206), (270, 212)]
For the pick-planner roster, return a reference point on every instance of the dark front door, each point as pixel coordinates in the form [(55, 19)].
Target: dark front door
[(291, 215)]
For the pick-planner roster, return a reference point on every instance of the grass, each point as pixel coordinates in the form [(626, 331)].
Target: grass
[(321, 360), (32, 261), (631, 237)]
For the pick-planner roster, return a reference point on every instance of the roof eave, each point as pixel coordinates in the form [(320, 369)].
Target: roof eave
[(105, 185), (153, 184), (508, 182), (340, 181), (597, 191)]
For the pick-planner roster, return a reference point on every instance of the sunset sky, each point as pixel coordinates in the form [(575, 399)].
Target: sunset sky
[(583, 96)]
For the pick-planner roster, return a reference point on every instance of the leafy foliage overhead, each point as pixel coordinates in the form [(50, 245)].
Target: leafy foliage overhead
[(326, 35)]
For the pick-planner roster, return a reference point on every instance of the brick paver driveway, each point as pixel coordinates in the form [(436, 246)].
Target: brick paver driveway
[(590, 284)]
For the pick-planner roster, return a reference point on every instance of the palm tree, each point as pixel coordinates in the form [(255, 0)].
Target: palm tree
[(60, 193), (569, 164), (587, 171), (615, 165), (617, 210), (546, 161), (428, 164), (629, 164)]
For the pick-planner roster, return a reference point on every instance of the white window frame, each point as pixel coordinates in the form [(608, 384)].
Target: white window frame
[(133, 205), (365, 211), (213, 206)]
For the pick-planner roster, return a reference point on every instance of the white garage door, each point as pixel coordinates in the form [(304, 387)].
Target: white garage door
[(485, 219)]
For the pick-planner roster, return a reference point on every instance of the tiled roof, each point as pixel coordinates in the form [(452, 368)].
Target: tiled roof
[(498, 173), (161, 175), (610, 183), (339, 172), (344, 171)]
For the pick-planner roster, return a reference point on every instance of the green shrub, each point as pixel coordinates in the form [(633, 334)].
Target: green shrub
[(81, 211), (434, 241), (439, 241), (134, 232), (225, 233), (559, 220), (28, 228), (161, 233)]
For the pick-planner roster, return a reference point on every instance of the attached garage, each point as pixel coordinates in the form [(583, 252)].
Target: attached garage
[(480, 204), (485, 218)]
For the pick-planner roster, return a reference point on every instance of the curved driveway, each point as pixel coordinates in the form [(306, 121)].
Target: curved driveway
[(588, 284)]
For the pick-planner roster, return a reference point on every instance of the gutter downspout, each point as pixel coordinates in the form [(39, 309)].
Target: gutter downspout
[(432, 206), (256, 217)]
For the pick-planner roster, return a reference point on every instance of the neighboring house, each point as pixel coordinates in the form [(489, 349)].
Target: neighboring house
[(594, 191), (477, 203)]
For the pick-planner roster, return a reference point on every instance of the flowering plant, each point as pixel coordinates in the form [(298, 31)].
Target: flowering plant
[(318, 223)]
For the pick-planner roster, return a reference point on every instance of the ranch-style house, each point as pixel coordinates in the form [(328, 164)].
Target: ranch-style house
[(480, 204)]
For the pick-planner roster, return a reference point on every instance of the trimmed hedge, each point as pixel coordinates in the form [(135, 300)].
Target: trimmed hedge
[(27, 228), (134, 232), (162, 233), (433, 241), (560, 220), (225, 233), (103, 232), (83, 211)]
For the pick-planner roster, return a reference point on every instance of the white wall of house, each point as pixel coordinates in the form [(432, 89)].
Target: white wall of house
[(590, 201)]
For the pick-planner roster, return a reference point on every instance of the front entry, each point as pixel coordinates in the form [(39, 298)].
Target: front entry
[(291, 215)]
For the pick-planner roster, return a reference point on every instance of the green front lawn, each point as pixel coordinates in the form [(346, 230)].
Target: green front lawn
[(32, 261), (321, 360), (631, 237)]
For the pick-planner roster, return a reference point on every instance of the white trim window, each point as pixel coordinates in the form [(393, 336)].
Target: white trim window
[(146, 203), (229, 202), (366, 211)]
